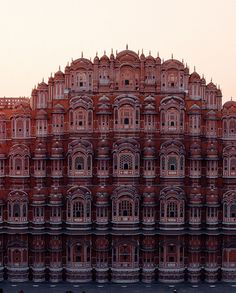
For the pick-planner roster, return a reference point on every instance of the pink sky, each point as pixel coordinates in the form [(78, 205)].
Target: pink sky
[(38, 36)]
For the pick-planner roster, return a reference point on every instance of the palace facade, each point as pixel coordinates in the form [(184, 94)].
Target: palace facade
[(122, 169)]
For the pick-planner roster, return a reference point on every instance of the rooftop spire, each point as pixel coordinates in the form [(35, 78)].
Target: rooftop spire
[(158, 54), (172, 56), (127, 47), (111, 50), (104, 52), (82, 54), (194, 68), (149, 52)]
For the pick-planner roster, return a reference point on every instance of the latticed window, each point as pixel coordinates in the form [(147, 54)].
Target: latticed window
[(172, 163), (126, 162), (125, 208), (78, 210), (81, 118), (79, 163), (172, 210), (126, 115)]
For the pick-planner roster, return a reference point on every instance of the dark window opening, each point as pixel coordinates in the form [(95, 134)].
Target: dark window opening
[(126, 121), (126, 82), (125, 213), (172, 167), (126, 166)]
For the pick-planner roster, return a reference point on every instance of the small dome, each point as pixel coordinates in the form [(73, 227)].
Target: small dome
[(96, 59), (150, 58), (158, 60), (195, 149), (142, 57), (149, 99), (149, 189), (57, 149), (50, 80), (149, 150), (150, 107), (59, 75), (42, 86), (41, 114), (40, 150), (149, 197), (103, 148), (203, 81), (211, 86), (194, 77), (230, 105), (104, 59), (104, 99), (102, 196), (212, 149), (34, 92), (55, 197)]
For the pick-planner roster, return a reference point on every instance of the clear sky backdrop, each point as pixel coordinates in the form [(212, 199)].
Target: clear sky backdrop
[(39, 35)]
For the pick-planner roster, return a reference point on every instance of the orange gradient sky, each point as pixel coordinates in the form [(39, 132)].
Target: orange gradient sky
[(38, 36)]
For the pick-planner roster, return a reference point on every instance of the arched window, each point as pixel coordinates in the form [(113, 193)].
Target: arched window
[(126, 113), (125, 255), (125, 205), (19, 161), (172, 209), (229, 207), (172, 115), (21, 126), (126, 162), (81, 80), (78, 209), (79, 163), (195, 123), (80, 159), (125, 208), (81, 114), (79, 205), (126, 158), (17, 207), (78, 254), (172, 161), (172, 206)]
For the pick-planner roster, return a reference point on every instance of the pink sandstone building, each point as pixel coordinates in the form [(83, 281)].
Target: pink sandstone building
[(122, 169)]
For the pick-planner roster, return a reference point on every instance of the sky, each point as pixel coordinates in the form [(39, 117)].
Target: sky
[(39, 36)]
